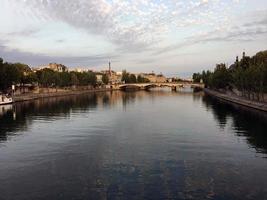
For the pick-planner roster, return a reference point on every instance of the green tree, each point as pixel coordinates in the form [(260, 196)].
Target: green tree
[(12, 75), (47, 77), (221, 78), (105, 79), (197, 77), (23, 69), (125, 76), (249, 76), (92, 78), (31, 78), (141, 79), (65, 79), (74, 79), (132, 78)]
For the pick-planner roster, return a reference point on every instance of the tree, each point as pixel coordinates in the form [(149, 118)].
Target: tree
[(141, 79), (2, 74), (132, 78), (74, 79), (221, 77), (125, 76), (197, 77), (249, 76), (206, 77), (64, 79), (105, 79), (84, 78), (25, 73), (92, 78), (31, 78), (47, 77), (11, 76)]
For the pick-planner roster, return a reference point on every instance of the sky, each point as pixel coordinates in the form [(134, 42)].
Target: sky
[(175, 37)]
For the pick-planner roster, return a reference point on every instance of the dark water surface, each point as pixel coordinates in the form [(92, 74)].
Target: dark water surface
[(137, 145)]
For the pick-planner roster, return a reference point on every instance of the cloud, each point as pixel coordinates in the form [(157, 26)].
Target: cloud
[(133, 32), (60, 41), (262, 22), (37, 59), (130, 25), (99, 17), (249, 31), (25, 32)]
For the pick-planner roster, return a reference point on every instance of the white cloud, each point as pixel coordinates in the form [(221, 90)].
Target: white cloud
[(132, 25), (130, 29)]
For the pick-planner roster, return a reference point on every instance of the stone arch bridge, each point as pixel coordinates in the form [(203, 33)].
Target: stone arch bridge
[(147, 86)]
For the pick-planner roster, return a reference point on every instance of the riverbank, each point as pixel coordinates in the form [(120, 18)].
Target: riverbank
[(32, 96), (237, 100)]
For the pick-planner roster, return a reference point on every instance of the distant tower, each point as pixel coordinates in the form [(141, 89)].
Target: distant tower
[(109, 68), (244, 54), (236, 59)]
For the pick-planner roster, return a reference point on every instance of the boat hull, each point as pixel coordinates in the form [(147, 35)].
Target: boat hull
[(6, 101)]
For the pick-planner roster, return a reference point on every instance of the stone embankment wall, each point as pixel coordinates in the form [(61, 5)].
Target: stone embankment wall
[(52, 92), (249, 95), (238, 100)]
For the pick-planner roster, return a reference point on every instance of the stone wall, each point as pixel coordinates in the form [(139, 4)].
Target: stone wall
[(237, 100), (251, 96)]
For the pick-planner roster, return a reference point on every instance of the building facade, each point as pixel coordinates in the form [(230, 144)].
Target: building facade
[(154, 78), (53, 66)]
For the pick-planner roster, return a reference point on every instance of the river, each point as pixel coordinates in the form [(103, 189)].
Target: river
[(132, 145)]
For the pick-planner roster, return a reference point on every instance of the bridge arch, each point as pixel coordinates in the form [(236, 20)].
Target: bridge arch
[(148, 86), (130, 87)]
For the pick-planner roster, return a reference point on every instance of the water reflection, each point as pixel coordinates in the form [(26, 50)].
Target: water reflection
[(244, 121), (19, 116), (132, 145)]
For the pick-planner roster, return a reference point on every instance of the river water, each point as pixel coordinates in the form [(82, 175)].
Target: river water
[(132, 145)]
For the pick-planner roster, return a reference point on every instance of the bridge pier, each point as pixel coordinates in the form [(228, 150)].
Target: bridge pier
[(174, 88)]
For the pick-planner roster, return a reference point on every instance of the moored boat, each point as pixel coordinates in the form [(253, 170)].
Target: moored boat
[(5, 99)]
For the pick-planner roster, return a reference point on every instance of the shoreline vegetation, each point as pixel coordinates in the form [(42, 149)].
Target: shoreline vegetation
[(25, 83), (26, 78), (33, 84), (243, 83)]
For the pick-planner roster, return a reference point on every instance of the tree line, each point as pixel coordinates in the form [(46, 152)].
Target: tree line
[(249, 76), (18, 73), (131, 78)]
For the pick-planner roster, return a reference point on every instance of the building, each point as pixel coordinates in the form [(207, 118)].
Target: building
[(58, 67), (169, 80), (119, 73), (114, 77), (153, 78), (99, 77), (79, 69), (160, 78), (54, 66)]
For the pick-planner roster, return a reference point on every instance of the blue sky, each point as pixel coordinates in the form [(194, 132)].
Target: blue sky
[(175, 37)]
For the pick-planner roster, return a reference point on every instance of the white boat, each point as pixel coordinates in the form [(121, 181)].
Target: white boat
[(4, 99)]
